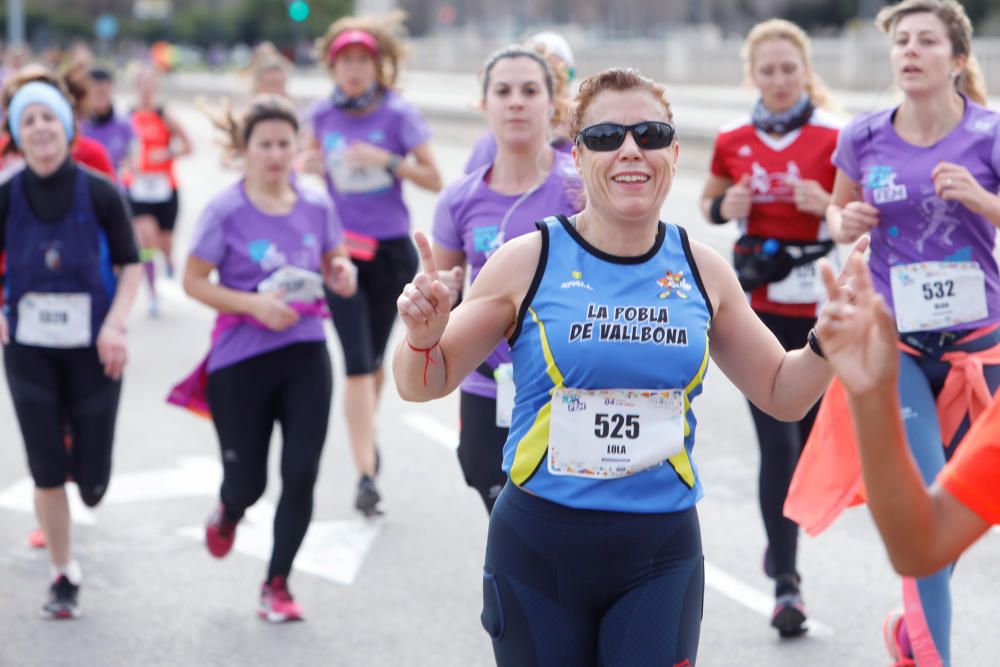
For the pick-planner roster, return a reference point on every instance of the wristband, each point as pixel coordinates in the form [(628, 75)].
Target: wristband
[(715, 212), (427, 355), (393, 164), (813, 341)]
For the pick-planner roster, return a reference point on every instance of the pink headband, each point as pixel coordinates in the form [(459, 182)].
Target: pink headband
[(352, 38)]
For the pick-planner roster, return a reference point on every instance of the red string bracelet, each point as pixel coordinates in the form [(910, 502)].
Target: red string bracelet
[(427, 355)]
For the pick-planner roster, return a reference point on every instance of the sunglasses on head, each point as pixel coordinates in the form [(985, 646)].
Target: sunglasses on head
[(649, 135)]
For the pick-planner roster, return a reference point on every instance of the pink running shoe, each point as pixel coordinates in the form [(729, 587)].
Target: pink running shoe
[(220, 533), (276, 603), (36, 539), (892, 629)]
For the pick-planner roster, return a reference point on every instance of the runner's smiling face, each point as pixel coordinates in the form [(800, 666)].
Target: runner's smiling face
[(779, 72), (627, 183), (270, 151), (353, 70), (43, 137), (922, 55), (517, 103)]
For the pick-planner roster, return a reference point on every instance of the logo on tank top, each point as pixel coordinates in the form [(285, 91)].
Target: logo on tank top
[(882, 182), (53, 258), (745, 151), (939, 220), (577, 281), (628, 324), (376, 136), (674, 284), (483, 237)]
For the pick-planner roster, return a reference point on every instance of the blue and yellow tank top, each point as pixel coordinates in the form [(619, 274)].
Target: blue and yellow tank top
[(594, 321)]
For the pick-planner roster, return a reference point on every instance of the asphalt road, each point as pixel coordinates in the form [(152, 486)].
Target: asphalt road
[(404, 589)]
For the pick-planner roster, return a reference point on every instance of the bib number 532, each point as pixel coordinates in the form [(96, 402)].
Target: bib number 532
[(938, 289), (616, 426)]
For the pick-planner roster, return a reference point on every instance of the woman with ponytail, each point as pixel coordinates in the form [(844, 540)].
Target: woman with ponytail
[(368, 140), (921, 179), (771, 172), (274, 244)]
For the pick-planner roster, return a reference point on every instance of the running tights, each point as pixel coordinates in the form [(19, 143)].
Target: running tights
[(293, 386)]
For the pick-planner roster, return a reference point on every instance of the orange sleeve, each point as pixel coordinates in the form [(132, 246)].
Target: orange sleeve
[(973, 474)]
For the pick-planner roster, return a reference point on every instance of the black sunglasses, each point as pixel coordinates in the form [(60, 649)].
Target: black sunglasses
[(649, 135)]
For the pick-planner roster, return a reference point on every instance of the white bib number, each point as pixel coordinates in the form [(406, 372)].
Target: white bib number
[(937, 295), (803, 284), (609, 433), (300, 285), (504, 376), (150, 188), (356, 180), (53, 320)]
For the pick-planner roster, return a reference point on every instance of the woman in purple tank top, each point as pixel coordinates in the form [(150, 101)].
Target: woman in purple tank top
[(922, 179)]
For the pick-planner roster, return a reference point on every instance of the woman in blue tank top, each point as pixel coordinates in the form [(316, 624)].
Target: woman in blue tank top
[(611, 317), (71, 277)]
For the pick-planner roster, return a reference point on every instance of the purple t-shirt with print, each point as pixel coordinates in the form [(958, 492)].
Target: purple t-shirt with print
[(369, 200), (468, 218), (115, 134), (247, 245), (914, 224)]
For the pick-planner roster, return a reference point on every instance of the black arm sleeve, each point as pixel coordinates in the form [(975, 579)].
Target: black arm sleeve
[(114, 215)]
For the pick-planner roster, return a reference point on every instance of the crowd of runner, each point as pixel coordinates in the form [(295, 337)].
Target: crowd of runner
[(577, 321)]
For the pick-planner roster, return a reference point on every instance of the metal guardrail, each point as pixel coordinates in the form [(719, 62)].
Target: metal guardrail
[(857, 60)]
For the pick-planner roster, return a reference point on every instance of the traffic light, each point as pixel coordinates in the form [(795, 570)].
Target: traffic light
[(298, 10)]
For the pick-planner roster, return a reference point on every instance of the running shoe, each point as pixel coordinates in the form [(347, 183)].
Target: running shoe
[(893, 629), (789, 616), (367, 498), (62, 602), (36, 539), (276, 603), (220, 533)]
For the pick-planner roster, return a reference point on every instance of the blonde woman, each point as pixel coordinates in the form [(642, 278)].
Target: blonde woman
[(771, 173)]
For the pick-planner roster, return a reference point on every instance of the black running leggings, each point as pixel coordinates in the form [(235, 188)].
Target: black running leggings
[(292, 385), (480, 447), (364, 321), (781, 445), (60, 391)]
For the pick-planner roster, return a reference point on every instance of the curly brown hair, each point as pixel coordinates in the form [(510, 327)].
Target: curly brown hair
[(619, 79), (390, 34)]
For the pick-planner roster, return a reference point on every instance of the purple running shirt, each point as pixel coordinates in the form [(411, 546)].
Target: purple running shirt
[(369, 200), (468, 218), (936, 255), (247, 245)]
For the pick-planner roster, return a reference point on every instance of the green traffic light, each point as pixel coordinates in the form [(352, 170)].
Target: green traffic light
[(298, 10)]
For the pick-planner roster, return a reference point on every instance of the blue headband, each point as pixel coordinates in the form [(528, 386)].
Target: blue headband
[(37, 92)]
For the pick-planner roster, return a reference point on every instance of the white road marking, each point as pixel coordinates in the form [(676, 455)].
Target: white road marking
[(333, 550), (751, 598), (432, 428), (194, 476)]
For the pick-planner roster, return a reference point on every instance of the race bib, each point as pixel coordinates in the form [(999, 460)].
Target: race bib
[(803, 284), (150, 188), (937, 295), (609, 433), (504, 376), (356, 180), (300, 285), (53, 320)]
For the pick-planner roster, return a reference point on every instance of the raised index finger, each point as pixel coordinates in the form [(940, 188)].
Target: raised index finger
[(426, 254)]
